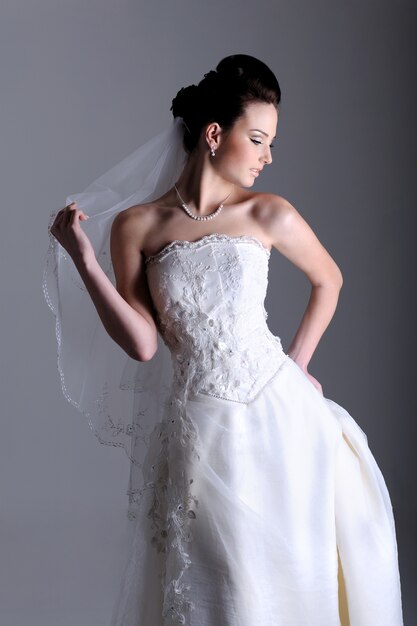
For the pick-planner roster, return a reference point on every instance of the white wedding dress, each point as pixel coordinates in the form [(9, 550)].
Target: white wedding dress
[(264, 505)]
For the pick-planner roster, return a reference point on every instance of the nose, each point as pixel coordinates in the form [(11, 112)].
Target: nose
[(267, 156)]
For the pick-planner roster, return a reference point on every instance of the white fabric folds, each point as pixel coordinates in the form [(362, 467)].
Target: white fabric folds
[(120, 397)]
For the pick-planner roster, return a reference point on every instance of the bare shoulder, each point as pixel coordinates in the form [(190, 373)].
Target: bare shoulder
[(290, 234), (276, 216), (133, 224)]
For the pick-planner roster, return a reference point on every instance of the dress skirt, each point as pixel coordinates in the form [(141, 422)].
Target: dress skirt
[(291, 523)]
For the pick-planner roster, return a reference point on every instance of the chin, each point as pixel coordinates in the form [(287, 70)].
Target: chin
[(245, 181)]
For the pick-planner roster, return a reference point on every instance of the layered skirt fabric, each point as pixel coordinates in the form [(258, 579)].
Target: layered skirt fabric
[(292, 523)]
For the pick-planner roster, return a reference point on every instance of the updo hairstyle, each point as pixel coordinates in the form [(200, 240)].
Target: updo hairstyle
[(222, 95)]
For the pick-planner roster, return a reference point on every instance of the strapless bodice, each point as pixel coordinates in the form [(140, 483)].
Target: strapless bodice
[(209, 299)]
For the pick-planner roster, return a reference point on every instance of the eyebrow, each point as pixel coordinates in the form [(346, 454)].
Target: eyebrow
[(263, 133)]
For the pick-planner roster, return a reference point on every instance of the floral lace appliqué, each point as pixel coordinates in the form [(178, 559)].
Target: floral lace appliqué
[(209, 300)]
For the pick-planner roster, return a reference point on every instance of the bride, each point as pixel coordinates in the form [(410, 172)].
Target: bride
[(255, 499)]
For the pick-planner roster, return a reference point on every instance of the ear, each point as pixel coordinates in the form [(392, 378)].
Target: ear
[(212, 135)]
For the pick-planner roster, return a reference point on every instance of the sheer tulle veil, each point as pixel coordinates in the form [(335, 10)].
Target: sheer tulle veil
[(122, 399)]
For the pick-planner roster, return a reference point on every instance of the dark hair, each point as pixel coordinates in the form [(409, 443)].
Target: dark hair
[(223, 93)]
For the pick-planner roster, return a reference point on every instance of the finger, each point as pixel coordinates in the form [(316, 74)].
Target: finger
[(63, 216), (68, 216), (69, 210), (59, 214), (82, 216), (66, 210), (74, 216), (55, 220)]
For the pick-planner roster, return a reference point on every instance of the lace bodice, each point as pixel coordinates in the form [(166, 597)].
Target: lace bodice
[(209, 297)]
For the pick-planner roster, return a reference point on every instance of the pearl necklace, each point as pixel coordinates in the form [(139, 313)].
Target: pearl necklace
[(200, 217)]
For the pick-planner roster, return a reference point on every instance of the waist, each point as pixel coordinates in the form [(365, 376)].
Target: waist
[(228, 368)]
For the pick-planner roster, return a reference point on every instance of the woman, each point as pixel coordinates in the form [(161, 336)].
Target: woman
[(255, 499)]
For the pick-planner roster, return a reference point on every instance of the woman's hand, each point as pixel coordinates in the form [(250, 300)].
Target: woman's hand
[(66, 228), (306, 373), (314, 381)]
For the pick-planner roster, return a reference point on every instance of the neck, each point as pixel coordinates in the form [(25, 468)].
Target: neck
[(202, 189)]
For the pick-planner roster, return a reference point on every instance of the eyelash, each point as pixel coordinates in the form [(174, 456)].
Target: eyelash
[(259, 143)]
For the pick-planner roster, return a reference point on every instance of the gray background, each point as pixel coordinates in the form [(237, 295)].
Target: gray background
[(83, 83)]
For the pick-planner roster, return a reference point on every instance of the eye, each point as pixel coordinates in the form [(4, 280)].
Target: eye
[(259, 143)]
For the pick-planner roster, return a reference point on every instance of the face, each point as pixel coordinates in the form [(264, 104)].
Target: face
[(245, 149)]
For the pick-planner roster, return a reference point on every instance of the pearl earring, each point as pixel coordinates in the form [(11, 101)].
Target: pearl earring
[(213, 152)]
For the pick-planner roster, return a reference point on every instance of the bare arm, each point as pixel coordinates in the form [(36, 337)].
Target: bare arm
[(293, 237), (125, 311)]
